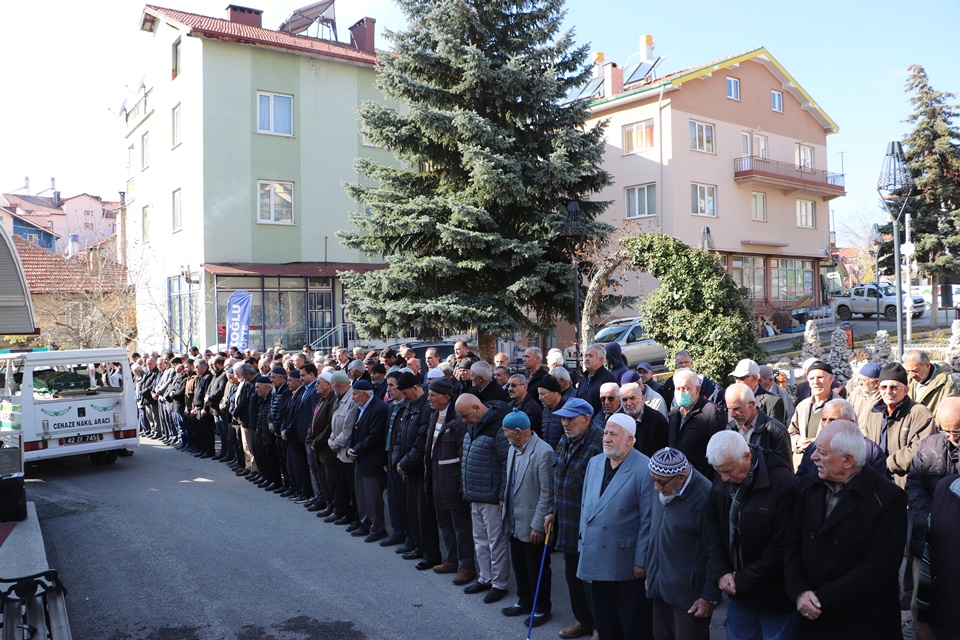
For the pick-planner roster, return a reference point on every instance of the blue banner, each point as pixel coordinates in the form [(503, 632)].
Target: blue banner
[(238, 319)]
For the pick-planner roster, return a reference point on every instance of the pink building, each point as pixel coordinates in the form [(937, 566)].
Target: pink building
[(731, 153)]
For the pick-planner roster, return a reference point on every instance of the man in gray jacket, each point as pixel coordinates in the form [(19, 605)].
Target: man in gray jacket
[(677, 582)]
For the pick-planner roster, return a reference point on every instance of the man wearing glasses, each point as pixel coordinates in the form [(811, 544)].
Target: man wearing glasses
[(521, 400), (897, 423)]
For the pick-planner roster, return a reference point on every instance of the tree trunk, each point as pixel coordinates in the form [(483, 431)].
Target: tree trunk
[(595, 293), (935, 301), (486, 345)]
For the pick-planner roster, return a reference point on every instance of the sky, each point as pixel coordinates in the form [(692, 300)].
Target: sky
[(69, 65)]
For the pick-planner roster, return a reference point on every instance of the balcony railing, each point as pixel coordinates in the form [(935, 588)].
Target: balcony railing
[(139, 110), (788, 176)]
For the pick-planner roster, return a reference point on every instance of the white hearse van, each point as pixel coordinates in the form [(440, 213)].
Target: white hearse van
[(62, 407)]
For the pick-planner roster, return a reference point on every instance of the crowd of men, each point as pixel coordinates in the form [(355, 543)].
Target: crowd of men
[(661, 498)]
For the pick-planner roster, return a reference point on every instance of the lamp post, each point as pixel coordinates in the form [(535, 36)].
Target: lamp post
[(894, 180), (875, 238), (573, 231)]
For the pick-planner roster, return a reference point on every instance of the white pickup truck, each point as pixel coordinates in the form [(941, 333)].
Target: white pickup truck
[(61, 407), (867, 299)]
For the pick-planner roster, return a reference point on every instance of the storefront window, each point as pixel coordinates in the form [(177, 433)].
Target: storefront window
[(750, 272), (791, 279)]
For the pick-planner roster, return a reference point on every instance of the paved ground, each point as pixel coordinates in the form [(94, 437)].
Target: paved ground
[(162, 546)]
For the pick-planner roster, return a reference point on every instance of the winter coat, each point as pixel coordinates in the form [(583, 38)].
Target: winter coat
[(411, 442), (765, 514), (910, 423), (368, 438), (798, 425), (550, 425), (534, 411), (691, 435), (941, 386), (932, 462), (851, 560), (443, 460), (589, 387), (770, 403), (484, 457), (945, 558), (653, 432), (769, 434)]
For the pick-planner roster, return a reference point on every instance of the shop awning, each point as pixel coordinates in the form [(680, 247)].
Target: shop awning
[(289, 269)]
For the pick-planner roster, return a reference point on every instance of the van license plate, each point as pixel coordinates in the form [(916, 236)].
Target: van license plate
[(81, 439)]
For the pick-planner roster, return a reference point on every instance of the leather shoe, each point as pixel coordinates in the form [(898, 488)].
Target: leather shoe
[(446, 567), (353, 526), (333, 517), (464, 576), (360, 532), (217, 457), (244, 472), (283, 488), (494, 595), (405, 548), (514, 610), (391, 541), (574, 631), (423, 565), (316, 508), (477, 587), (205, 455), (416, 554), (287, 492), (373, 537), (538, 619)]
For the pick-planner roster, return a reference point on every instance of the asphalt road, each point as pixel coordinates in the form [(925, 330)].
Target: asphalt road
[(163, 546)]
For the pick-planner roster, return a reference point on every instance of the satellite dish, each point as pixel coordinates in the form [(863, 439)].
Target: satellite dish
[(123, 107)]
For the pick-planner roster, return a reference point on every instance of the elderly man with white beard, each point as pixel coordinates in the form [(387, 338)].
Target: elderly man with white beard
[(617, 498)]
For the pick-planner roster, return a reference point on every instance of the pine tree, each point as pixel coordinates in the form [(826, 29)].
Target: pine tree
[(882, 351), (469, 226), (812, 348), (839, 358), (932, 154)]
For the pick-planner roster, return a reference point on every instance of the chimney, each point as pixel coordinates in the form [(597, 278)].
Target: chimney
[(362, 35), (26, 184), (646, 46), (245, 15), (73, 249), (56, 198), (612, 79)]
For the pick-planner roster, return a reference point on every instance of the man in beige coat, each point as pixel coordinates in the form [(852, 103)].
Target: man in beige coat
[(897, 423), (805, 423)]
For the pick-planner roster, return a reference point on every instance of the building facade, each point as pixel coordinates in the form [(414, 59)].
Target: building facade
[(731, 155), (237, 155)]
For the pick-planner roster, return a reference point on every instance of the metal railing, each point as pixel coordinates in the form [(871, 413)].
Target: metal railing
[(750, 166)]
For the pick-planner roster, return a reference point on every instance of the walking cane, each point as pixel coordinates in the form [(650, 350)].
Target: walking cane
[(536, 593)]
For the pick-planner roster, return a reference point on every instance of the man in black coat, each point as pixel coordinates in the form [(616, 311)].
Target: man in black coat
[(754, 425), (595, 374), (845, 544), (481, 377), (945, 557), (203, 417), (295, 428), (751, 506), (520, 399), (653, 432), (533, 363), (694, 421), (369, 455)]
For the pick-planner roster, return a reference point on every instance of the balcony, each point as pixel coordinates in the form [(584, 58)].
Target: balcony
[(139, 111), (788, 177)]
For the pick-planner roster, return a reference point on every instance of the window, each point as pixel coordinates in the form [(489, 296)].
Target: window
[(752, 145), (776, 101), (87, 213), (276, 202), (759, 206), (701, 136), (33, 237), (703, 199), (805, 156), (791, 279), (641, 201), (733, 88), (145, 151), (806, 214), (175, 125), (275, 114), (177, 55), (750, 272), (131, 154), (177, 216), (145, 224), (759, 146), (638, 136), (746, 144), (88, 226)]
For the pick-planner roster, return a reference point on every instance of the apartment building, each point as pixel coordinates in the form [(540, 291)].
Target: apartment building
[(732, 155), (237, 150)]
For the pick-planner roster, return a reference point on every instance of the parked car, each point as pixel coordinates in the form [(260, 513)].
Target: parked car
[(866, 299), (444, 349), (634, 343)]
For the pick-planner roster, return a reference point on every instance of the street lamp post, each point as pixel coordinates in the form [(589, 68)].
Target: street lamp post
[(894, 179), (875, 239), (573, 231)]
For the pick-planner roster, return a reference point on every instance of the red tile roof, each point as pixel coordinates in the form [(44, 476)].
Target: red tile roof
[(245, 34), (290, 269), (33, 204), (49, 272)]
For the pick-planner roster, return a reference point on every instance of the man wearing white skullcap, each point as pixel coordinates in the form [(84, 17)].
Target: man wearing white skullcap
[(683, 595), (615, 530)]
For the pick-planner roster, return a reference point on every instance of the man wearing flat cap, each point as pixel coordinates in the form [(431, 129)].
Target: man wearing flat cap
[(864, 390), (581, 441), (806, 419), (614, 533), (527, 501), (897, 422), (677, 581)]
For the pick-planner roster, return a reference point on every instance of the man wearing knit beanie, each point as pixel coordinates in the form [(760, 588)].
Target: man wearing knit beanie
[(682, 594), (896, 422)]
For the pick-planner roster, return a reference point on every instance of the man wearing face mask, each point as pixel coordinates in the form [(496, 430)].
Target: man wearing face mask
[(693, 421)]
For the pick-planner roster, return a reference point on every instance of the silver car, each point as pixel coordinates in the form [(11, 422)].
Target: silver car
[(634, 343)]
